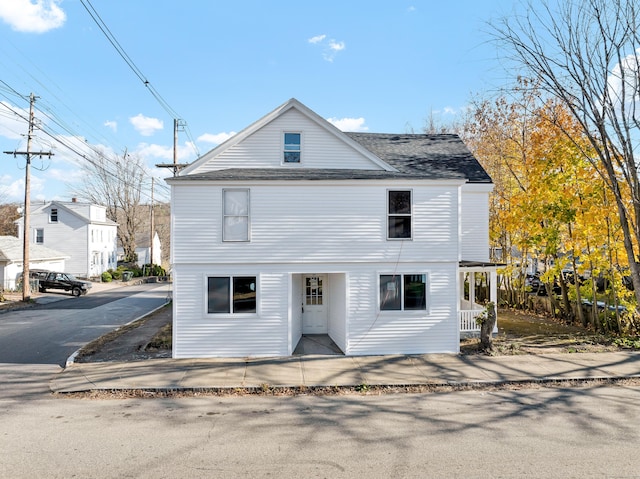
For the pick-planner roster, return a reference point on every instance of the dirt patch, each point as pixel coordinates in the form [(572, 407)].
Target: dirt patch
[(525, 333), (142, 339)]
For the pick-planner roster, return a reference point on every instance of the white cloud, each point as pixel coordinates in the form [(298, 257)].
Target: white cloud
[(349, 124), (317, 39), (216, 138), (27, 16), (330, 47), (145, 125), (152, 151), (623, 83), (336, 46), (113, 125)]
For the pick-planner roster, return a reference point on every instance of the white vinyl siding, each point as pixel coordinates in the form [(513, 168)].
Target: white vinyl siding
[(71, 234), (405, 332), (355, 325), (474, 220), (314, 223), (198, 334), (264, 148)]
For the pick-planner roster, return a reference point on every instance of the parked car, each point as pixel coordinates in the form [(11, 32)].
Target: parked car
[(535, 285), (65, 281)]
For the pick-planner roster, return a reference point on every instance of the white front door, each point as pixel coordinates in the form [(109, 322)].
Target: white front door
[(314, 304)]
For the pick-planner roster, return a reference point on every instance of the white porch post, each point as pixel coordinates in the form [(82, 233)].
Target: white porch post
[(493, 293), (472, 288), (493, 285)]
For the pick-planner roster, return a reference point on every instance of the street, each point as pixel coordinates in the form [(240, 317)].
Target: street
[(590, 431), (50, 333), (546, 433)]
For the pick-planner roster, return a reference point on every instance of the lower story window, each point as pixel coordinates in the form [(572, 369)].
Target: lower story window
[(231, 294), (403, 292)]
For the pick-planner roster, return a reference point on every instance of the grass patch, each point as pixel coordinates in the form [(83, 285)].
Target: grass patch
[(162, 339)]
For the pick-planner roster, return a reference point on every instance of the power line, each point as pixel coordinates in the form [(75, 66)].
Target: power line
[(60, 140), (95, 16)]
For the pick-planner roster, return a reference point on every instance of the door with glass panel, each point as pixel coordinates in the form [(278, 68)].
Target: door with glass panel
[(314, 304)]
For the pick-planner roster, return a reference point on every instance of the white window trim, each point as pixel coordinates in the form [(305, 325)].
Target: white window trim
[(231, 314), (404, 312), (248, 216), (410, 215), (282, 151), (35, 235)]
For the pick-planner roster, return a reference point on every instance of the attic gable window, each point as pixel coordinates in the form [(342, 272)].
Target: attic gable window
[(53, 215), (292, 149)]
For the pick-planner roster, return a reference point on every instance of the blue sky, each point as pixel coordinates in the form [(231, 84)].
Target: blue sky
[(377, 66)]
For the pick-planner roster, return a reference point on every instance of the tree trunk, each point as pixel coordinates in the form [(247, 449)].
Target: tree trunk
[(486, 328)]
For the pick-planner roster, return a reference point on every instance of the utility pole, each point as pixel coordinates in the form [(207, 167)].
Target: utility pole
[(26, 287), (152, 224), (177, 124)]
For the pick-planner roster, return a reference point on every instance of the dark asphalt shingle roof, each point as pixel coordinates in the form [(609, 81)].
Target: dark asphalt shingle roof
[(440, 156), (420, 156)]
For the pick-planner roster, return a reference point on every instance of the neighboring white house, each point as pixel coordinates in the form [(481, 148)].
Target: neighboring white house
[(40, 257), (80, 230), (292, 227), (144, 250)]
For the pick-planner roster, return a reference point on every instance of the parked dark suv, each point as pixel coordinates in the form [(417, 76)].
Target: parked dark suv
[(68, 282)]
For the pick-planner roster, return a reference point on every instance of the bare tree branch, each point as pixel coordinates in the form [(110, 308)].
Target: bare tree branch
[(119, 190), (586, 54)]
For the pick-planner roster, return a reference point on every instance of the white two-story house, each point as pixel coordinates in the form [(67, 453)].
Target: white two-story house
[(80, 230), (292, 227)]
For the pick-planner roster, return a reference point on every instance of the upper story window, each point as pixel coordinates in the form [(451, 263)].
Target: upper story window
[(53, 215), (39, 235), (399, 214), (235, 212), (292, 151)]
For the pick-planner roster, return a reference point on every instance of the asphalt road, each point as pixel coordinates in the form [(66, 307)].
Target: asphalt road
[(50, 333), (538, 433)]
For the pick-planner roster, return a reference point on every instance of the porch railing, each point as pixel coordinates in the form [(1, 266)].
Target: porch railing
[(468, 320)]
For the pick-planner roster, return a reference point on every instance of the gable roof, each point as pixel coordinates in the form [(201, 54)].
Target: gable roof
[(402, 156), (80, 210), (11, 250), (268, 118)]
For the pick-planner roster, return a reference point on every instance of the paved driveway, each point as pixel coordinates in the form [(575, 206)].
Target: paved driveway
[(49, 333)]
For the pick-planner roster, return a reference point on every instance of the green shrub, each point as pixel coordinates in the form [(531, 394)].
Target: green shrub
[(154, 270), (116, 274), (106, 277)]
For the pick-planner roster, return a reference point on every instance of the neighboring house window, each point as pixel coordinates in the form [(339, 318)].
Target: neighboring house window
[(403, 292), (292, 149), (39, 235), (235, 210), (231, 294), (53, 215), (399, 214)]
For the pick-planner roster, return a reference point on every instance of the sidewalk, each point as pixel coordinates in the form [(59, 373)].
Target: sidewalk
[(343, 371)]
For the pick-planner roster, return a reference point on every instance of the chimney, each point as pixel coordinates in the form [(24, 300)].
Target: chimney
[(73, 200)]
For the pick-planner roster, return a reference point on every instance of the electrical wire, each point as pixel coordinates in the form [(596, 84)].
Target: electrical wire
[(95, 16), (56, 137)]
